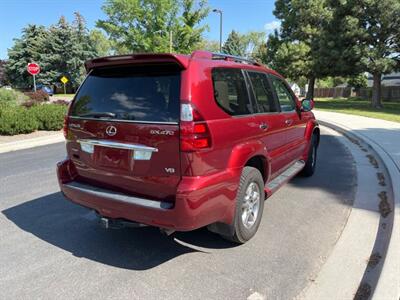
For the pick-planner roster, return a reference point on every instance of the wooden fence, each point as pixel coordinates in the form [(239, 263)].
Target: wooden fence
[(332, 92), (389, 93)]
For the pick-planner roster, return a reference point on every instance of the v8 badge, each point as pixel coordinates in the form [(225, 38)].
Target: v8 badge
[(170, 170)]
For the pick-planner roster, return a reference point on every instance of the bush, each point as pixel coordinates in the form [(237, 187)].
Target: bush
[(11, 96), (38, 96), (16, 119), (61, 102), (49, 116), (28, 103)]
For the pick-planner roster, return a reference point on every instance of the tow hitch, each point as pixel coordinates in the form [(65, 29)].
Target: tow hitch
[(108, 223), (167, 232)]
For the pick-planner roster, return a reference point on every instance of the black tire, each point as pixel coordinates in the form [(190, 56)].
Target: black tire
[(250, 178), (311, 162)]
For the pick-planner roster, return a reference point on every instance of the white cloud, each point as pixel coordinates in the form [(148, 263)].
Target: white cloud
[(271, 26)]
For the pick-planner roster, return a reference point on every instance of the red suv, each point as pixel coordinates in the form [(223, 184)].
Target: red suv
[(180, 142)]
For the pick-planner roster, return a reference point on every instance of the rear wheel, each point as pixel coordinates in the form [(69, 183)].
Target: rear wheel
[(249, 206), (311, 162)]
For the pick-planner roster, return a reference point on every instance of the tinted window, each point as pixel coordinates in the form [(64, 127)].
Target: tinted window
[(285, 97), (230, 91), (140, 94), (262, 92)]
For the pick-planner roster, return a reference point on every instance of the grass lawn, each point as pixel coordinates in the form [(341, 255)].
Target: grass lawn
[(355, 106)]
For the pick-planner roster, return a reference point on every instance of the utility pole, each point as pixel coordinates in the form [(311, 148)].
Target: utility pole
[(220, 27)]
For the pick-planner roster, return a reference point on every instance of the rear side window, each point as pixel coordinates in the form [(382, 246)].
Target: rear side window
[(262, 92), (134, 93), (230, 91), (285, 97)]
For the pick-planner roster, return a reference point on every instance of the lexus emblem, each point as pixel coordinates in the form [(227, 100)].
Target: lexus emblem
[(111, 130)]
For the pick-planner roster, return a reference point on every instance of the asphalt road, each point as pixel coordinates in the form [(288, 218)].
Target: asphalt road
[(51, 248)]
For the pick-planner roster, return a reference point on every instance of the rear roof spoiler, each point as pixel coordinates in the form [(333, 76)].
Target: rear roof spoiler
[(181, 60)]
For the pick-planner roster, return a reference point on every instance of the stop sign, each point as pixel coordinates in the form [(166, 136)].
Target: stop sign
[(33, 69)]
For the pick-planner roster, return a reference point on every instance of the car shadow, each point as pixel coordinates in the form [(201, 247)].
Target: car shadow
[(335, 172), (75, 229)]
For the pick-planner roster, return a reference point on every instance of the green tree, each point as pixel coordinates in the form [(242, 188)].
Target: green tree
[(246, 44), (234, 44), (253, 41), (380, 21), (188, 34), (139, 25), (3, 77), (291, 59), (209, 45), (55, 60), (340, 44), (66, 51), (358, 81), (330, 82), (145, 25), (60, 50), (26, 49), (82, 49), (296, 47), (102, 45)]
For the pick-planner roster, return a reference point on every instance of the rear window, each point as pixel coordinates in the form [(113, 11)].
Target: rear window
[(147, 93)]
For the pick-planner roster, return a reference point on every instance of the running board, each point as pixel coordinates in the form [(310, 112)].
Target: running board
[(288, 174)]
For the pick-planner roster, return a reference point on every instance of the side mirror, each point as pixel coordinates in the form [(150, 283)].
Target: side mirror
[(307, 104)]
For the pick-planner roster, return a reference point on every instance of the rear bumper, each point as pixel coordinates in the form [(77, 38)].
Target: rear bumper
[(199, 200)]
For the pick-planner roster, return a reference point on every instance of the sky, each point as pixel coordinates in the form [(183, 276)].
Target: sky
[(239, 15)]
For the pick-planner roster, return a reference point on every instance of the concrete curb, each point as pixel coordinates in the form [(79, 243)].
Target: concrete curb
[(388, 283), (33, 142), (340, 275)]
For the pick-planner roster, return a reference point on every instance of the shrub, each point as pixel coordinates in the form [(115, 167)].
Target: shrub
[(61, 102), (49, 116), (16, 119), (11, 96), (38, 96), (28, 103), (7, 95)]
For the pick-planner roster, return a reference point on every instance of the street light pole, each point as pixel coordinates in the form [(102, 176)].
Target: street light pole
[(220, 27)]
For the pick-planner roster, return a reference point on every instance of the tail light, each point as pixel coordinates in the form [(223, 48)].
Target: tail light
[(65, 126), (66, 120), (194, 131), (66, 171)]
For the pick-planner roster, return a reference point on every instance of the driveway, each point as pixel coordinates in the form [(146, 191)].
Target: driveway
[(51, 248)]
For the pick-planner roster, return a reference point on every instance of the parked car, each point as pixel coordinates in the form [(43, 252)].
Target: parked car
[(45, 88), (180, 142)]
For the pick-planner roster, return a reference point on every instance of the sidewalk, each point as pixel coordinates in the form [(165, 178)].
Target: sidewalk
[(26, 141), (384, 138)]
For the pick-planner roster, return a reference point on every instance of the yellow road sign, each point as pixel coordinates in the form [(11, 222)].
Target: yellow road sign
[(64, 79)]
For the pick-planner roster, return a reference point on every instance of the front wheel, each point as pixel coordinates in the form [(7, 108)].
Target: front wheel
[(249, 206), (311, 162)]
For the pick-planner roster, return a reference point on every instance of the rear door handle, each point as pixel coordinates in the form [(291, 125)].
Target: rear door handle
[(289, 122), (263, 126)]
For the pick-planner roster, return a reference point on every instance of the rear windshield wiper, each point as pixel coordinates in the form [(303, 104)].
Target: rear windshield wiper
[(99, 115)]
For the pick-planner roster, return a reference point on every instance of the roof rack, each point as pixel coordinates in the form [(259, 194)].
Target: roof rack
[(211, 55), (234, 58)]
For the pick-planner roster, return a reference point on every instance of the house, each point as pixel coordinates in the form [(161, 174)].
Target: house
[(392, 79)]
